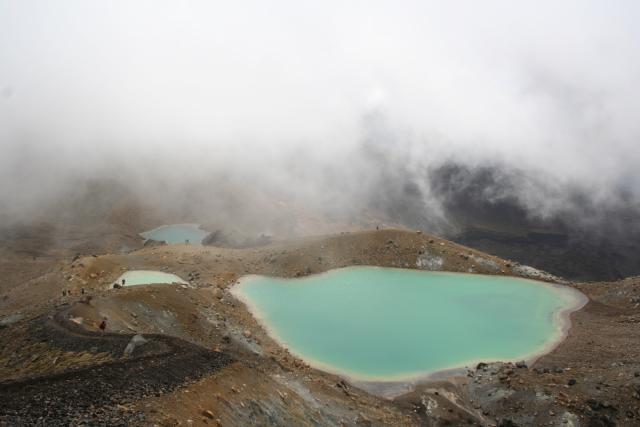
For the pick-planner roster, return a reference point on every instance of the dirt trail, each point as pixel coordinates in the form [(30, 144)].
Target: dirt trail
[(98, 394)]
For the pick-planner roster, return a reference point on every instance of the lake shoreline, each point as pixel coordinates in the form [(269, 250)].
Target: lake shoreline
[(391, 386)]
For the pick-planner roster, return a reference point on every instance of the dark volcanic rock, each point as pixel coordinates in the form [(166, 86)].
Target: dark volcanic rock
[(92, 395), (232, 239), (506, 423), (152, 243)]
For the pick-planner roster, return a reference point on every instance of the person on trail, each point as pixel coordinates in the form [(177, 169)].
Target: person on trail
[(123, 280), (103, 325)]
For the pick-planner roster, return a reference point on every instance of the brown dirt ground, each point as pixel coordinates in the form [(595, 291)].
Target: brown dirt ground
[(268, 386)]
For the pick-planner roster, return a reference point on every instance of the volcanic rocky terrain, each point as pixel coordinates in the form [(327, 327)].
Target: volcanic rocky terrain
[(193, 355)]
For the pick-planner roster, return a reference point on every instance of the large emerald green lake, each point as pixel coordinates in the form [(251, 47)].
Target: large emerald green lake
[(379, 324)]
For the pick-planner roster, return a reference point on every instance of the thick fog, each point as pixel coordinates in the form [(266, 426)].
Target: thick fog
[(346, 107)]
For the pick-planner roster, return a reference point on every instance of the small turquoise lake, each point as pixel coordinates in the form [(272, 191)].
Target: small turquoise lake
[(148, 277), (177, 233), (386, 324)]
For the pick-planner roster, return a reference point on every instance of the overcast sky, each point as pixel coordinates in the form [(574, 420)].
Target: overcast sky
[(94, 87)]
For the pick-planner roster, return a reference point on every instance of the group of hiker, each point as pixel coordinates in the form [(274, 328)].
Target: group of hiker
[(68, 292), (103, 324)]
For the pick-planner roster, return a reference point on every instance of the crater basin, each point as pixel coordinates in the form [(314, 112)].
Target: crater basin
[(386, 324)]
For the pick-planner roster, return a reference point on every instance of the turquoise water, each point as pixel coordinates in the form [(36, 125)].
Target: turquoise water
[(177, 233), (382, 324), (148, 277)]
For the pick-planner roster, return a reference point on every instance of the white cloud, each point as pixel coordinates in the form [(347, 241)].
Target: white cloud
[(548, 87)]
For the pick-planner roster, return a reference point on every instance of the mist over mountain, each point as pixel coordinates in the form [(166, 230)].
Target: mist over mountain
[(440, 117)]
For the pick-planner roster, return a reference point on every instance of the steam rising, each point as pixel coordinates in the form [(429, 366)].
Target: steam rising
[(342, 108)]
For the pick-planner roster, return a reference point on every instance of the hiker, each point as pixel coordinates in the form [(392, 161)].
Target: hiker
[(82, 291), (103, 325), (123, 282), (64, 293)]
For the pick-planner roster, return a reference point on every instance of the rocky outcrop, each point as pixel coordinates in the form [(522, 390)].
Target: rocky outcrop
[(534, 273), (427, 261)]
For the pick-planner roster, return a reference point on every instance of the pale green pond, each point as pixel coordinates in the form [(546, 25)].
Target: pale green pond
[(177, 233), (381, 324), (149, 277)]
